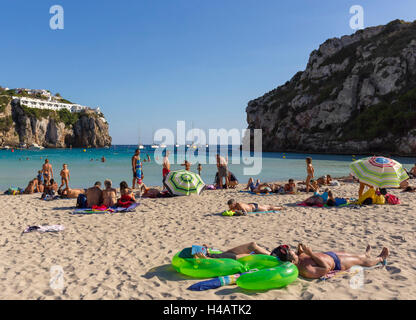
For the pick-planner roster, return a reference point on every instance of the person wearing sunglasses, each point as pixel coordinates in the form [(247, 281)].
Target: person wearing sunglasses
[(314, 265)]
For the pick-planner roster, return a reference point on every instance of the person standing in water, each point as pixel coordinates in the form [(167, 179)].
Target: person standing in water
[(166, 164), (137, 167), (47, 171), (310, 171)]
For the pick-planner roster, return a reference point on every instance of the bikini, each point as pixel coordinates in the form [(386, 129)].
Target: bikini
[(256, 206)]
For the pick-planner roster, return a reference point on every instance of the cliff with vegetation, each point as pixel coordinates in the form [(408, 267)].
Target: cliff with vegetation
[(20, 125), (356, 95)]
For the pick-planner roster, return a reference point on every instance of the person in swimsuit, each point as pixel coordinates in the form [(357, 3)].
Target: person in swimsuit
[(313, 265), (94, 195), (70, 193), (127, 196), (137, 167), (242, 208), (290, 187), (64, 176), (187, 165), (166, 164), (232, 179), (109, 194), (31, 187), (233, 253), (310, 171), (47, 171), (251, 185), (222, 167)]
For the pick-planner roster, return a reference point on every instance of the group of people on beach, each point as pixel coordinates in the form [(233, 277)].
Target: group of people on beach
[(310, 264)]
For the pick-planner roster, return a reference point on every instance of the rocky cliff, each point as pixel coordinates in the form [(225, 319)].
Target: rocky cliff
[(20, 125), (356, 95)]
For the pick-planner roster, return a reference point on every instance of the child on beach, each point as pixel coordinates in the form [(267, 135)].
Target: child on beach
[(64, 176), (241, 208), (310, 171)]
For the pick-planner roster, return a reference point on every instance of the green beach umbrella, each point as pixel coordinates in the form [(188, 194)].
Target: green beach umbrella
[(184, 183), (379, 172)]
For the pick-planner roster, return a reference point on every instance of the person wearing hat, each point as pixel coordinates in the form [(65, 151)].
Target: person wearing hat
[(314, 265)]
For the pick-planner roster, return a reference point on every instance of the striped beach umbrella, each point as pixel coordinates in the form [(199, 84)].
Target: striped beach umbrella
[(379, 172), (184, 183)]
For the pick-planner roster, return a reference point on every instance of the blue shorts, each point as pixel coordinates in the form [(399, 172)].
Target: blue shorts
[(334, 256)]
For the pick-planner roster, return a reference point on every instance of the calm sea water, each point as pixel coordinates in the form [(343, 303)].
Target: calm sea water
[(18, 167)]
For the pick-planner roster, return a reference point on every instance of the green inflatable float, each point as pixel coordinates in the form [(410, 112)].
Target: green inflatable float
[(272, 273), (272, 278)]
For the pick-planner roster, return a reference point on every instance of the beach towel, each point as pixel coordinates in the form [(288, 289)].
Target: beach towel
[(104, 210), (43, 229), (256, 194), (229, 213)]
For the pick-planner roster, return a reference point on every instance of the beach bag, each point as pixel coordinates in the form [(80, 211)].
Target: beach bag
[(82, 201), (392, 199)]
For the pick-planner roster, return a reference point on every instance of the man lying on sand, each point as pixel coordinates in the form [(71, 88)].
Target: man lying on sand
[(315, 265), (242, 208), (70, 193)]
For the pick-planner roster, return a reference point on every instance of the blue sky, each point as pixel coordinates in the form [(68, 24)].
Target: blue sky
[(150, 63)]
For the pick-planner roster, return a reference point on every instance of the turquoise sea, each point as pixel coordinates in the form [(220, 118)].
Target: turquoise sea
[(18, 167)]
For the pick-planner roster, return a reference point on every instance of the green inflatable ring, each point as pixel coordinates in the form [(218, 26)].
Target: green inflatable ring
[(272, 278), (210, 268)]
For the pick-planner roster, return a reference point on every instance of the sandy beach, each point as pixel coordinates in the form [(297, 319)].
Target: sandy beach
[(128, 255)]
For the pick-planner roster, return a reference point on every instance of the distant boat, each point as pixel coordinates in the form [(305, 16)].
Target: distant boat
[(35, 147), (155, 146), (6, 148), (141, 146), (177, 145), (163, 145)]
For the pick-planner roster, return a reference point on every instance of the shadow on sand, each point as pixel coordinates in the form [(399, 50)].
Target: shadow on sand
[(166, 272)]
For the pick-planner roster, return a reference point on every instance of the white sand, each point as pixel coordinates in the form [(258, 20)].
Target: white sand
[(127, 255)]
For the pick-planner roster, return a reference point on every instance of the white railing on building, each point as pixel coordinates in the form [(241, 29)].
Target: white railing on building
[(53, 105)]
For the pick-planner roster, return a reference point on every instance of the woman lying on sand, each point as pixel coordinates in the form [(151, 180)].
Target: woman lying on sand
[(315, 265), (262, 187), (242, 208)]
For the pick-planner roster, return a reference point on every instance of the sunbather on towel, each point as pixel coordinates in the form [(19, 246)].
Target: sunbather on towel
[(290, 187), (70, 193), (251, 185), (242, 208), (234, 253), (314, 265), (149, 192)]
